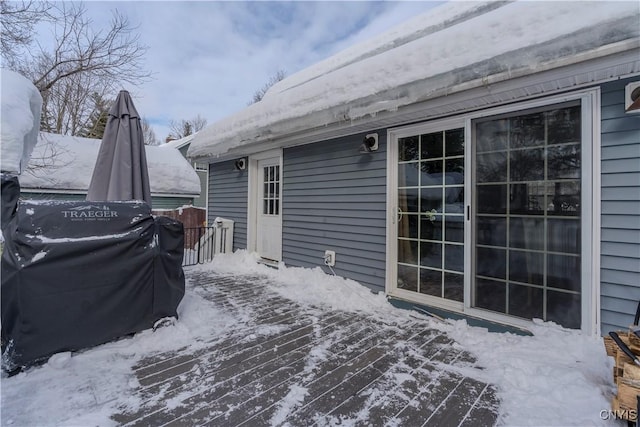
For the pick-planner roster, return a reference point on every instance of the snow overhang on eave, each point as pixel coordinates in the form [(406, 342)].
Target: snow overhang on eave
[(270, 124), (84, 192)]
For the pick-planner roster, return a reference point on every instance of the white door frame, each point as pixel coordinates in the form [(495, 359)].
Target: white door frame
[(392, 209), (591, 197), (252, 195)]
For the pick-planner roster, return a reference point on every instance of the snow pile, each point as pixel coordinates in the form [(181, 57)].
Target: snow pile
[(457, 47), (304, 285), (555, 378), (20, 121), (61, 162)]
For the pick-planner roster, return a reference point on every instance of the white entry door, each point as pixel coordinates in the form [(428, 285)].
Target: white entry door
[(269, 221)]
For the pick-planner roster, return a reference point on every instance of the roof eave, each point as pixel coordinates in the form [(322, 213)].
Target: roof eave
[(586, 68)]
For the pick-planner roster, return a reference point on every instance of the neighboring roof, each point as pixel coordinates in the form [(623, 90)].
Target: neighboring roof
[(178, 143), (456, 47), (66, 163), (20, 121)]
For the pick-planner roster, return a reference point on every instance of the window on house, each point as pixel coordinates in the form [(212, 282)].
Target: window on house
[(201, 167)]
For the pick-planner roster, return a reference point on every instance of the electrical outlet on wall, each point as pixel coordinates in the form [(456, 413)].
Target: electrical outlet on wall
[(330, 258)]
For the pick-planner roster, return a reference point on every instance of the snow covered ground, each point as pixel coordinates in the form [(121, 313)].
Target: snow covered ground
[(556, 377)]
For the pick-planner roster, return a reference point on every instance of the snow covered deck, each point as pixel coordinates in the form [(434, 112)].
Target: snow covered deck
[(295, 346), (303, 365)]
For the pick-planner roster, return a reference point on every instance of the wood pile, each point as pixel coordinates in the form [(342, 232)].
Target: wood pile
[(626, 375)]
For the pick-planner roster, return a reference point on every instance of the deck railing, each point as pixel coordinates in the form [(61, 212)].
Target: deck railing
[(201, 244)]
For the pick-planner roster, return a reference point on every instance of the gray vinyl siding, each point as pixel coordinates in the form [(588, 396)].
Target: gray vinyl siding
[(156, 202), (620, 247), (334, 198), (201, 201), (228, 192), (170, 202)]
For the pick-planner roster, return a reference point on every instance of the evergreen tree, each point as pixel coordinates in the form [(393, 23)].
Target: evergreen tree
[(98, 118)]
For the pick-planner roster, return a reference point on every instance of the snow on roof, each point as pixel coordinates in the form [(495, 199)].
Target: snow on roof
[(20, 121), (178, 143), (61, 162), (452, 48)]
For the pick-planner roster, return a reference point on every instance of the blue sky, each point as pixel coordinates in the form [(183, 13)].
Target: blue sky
[(208, 58)]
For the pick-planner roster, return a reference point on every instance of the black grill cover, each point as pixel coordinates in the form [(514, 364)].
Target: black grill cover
[(78, 274)]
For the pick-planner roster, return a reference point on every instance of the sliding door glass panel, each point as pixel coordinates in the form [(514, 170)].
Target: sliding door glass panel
[(431, 214), (527, 221)]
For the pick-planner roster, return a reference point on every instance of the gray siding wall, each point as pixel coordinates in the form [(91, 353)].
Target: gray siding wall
[(201, 201), (334, 198), (620, 247), (228, 192), (156, 202), (170, 202)]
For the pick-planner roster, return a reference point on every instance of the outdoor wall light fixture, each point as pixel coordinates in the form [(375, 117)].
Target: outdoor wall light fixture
[(370, 143), (241, 164), (632, 97)]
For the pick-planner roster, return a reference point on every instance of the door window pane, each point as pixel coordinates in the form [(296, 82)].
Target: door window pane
[(564, 161), (526, 267), (431, 227), (527, 130), (408, 149), (492, 135), (491, 295), (491, 231), (408, 278), (526, 233), (454, 229), (408, 226), (491, 167), (454, 286), (454, 257), (527, 199), (454, 142), (431, 254), (408, 251), (408, 175), (431, 146), (492, 199), (431, 199), (431, 282), (408, 200), (526, 165), (525, 301)]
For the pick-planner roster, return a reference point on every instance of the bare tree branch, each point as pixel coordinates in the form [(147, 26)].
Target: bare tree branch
[(180, 129), (148, 132), (82, 62), (18, 21), (259, 94)]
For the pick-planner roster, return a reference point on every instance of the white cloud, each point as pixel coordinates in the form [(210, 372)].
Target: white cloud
[(209, 58)]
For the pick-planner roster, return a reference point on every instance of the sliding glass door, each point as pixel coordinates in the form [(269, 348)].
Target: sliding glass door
[(495, 213)]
